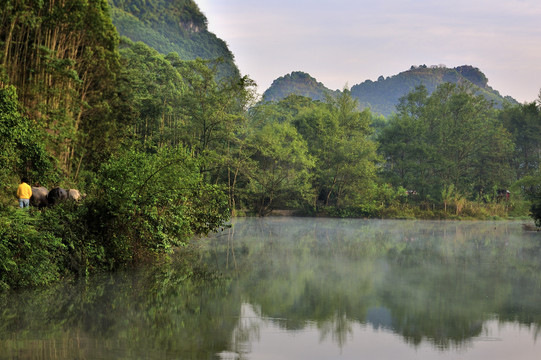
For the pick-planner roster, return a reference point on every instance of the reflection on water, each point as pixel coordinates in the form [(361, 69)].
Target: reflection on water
[(497, 341), (302, 289)]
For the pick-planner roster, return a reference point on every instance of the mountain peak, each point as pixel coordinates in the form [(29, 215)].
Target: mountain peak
[(298, 83), (473, 74), (382, 95)]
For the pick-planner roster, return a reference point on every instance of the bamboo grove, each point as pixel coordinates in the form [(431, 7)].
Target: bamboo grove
[(61, 57)]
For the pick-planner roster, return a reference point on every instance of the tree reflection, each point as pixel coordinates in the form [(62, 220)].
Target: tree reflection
[(438, 281), (433, 282), (156, 313)]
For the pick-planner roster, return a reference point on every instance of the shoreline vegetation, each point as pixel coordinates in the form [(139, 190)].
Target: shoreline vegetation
[(41, 247), (169, 147)]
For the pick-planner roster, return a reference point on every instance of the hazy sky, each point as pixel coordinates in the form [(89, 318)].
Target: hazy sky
[(344, 42)]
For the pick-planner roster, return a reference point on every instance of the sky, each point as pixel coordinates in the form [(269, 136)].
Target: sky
[(345, 42)]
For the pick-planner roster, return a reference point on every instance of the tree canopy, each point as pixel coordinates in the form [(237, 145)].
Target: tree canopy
[(451, 137)]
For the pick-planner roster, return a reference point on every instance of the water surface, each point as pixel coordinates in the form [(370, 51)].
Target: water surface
[(302, 288)]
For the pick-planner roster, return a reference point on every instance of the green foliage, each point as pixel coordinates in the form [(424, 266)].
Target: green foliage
[(535, 210), (297, 83), (173, 26), (339, 138), (150, 90), (524, 124), (280, 171), (213, 109), (22, 151), (61, 57), (449, 137), (141, 207), (28, 257), (531, 187), (148, 203)]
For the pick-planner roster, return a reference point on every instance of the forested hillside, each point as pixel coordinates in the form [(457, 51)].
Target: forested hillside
[(173, 26), (167, 148), (297, 83), (382, 96)]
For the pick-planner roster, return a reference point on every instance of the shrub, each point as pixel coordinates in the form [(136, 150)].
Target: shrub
[(81, 249), (144, 204), (141, 206), (535, 210), (28, 257)]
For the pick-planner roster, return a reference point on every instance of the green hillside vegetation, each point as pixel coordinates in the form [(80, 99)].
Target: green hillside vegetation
[(173, 26), (297, 83), (167, 149), (382, 96), (446, 141)]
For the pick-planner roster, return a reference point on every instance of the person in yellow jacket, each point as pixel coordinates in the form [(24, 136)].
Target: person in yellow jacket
[(24, 192)]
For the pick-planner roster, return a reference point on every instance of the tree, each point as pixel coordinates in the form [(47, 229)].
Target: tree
[(339, 138), (280, 171), (216, 124), (535, 209), (524, 124), (212, 109), (61, 56), (150, 88), (144, 203), (22, 150), (449, 137)]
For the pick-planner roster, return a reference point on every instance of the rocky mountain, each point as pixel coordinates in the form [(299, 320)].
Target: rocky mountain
[(298, 83), (381, 96), (172, 26)]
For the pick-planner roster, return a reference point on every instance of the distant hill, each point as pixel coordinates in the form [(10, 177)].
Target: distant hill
[(381, 96), (172, 26), (298, 83)]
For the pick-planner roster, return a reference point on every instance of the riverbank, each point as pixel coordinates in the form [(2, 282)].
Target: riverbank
[(76, 239), (464, 210)]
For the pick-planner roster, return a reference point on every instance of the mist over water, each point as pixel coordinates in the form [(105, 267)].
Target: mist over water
[(302, 288), (395, 287)]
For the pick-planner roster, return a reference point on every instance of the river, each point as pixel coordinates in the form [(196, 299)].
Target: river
[(301, 288)]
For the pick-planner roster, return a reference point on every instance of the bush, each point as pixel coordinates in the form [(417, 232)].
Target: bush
[(481, 210), (398, 211), (141, 206), (82, 252), (144, 204), (530, 187), (28, 257), (535, 210)]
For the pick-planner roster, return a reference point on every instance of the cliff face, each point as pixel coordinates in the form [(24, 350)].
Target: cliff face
[(173, 26), (474, 75), (190, 26)]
